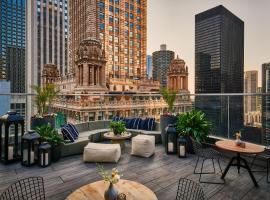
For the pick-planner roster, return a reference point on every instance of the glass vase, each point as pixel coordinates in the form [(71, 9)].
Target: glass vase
[(111, 193)]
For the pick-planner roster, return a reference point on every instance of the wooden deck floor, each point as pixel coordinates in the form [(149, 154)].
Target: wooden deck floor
[(160, 173)]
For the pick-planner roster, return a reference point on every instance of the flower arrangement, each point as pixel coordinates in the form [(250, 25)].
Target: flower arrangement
[(112, 176), (238, 140)]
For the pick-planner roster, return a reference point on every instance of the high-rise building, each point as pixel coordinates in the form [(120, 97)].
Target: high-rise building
[(47, 37), (219, 68), (250, 86), (121, 28), (161, 61), (266, 102), (149, 69), (12, 44)]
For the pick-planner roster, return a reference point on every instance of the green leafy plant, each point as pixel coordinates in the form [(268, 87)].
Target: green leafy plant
[(118, 127), (44, 97), (194, 124), (169, 97), (50, 135)]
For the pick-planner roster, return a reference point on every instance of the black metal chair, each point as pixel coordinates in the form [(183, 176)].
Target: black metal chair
[(31, 188), (205, 152), (265, 156), (189, 190)]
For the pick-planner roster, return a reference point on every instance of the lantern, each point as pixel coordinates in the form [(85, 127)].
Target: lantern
[(30, 142), (182, 147), (44, 154), (11, 131), (171, 140)]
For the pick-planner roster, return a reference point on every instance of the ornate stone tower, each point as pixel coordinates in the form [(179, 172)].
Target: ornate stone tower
[(90, 67), (178, 75), (50, 74)]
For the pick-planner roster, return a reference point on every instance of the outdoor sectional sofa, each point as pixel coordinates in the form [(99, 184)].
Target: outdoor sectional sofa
[(93, 132)]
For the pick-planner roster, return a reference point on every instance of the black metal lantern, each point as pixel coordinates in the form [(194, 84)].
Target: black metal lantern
[(182, 147), (44, 154), (171, 140), (30, 142), (11, 131)]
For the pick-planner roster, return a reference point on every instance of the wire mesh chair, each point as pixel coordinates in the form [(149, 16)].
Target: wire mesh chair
[(189, 190), (206, 153), (31, 188)]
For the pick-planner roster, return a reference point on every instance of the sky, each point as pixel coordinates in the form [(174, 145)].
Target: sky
[(172, 22)]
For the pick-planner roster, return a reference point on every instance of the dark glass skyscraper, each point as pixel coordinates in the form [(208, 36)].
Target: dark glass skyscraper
[(219, 67), (266, 102), (12, 43)]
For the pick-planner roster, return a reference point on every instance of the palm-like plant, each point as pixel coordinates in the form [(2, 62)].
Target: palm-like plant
[(169, 97), (194, 124), (44, 97)]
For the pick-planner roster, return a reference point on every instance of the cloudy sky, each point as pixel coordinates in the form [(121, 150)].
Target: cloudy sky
[(173, 22)]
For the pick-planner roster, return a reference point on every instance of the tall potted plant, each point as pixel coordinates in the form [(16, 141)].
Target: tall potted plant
[(43, 100), (193, 124), (50, 135), (167, 118)]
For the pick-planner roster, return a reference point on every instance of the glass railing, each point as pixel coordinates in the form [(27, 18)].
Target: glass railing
[(228, 113)]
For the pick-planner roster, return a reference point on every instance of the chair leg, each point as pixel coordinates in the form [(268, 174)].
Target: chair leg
[(267, 170), (201, 171), (219, 166), (194, 172), (252, 162), (213, 165)]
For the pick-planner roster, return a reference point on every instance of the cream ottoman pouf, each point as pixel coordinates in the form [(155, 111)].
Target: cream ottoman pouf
[(143, 145), (97, 152)]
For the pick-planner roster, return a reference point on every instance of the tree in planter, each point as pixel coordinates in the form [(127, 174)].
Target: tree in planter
[(49, 134), (118, 127), (193, 124), (169, 97)]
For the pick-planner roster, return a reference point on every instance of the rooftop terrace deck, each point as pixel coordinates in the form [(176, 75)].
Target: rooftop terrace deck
[(160, 173)]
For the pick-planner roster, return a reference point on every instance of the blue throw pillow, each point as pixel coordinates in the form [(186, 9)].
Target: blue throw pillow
[(74, 130), (135, 123), (151, 124), (67, 133), (143, 123), (130, 123)]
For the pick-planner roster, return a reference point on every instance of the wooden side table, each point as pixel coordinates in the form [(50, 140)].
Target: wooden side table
[(96, 190), (118, 139), (229, 145)]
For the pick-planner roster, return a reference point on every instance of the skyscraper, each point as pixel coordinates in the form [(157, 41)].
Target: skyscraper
[(219, 67), (161, 61), (251, 85), (121, 27), (47, 37), (149, 69), (12, 44), (266, 102)]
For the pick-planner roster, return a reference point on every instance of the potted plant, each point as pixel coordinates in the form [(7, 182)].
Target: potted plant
[(167, 118), (117, 127), (50, 135), (43, 100), (193, 124)]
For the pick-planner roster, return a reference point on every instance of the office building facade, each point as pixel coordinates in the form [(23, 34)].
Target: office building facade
[(12, 44), (250, 86), (47, 37), (161, 62), (219, 68), (121, 28), (266, 103), (149, 68)]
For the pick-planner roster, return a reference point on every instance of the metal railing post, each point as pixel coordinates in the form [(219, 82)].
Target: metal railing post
[(228, 117)]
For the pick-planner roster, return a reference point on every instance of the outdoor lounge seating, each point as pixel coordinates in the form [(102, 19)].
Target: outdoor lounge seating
[(189, 190), (98, 152), (143, 145)]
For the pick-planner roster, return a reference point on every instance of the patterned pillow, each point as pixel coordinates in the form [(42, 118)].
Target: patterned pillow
[(130, 123), (143, 124), (74, 130), (135, 123), (151, 124), (67, 133)]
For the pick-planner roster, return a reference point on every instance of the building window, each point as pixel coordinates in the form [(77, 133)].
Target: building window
[(111, 8), (102, 26), (131, 16), (116, 58), (126, 6), (111, 19), (101, 4), (131, 25), (138, 10), (126, 60), (117, 10), (131, 7)]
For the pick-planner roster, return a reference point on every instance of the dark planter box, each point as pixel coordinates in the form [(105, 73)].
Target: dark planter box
[(36, 122), (56, 153), (165, 120)]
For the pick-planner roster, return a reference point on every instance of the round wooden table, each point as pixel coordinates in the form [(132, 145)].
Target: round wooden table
[(96, 190), (229, 145), (118, 139)]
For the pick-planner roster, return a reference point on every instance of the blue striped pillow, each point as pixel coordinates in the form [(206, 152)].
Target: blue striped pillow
[(67, 133), (151, 123), (74, 130)]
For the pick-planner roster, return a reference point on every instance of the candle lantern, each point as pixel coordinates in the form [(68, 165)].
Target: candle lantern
[(11, 131), (30, 142), (44, 154), (182, 147), (171, 140)]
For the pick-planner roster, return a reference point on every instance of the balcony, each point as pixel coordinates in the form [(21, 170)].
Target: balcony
[(227, 112)]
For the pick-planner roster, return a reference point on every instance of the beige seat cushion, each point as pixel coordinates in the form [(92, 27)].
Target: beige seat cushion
[(143, 145), (96, 152)]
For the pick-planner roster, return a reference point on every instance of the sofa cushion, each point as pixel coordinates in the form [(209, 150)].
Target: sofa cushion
[(97, 152), (74, 130), (150, 124), (143, 124), (136, 123), (67, 133)]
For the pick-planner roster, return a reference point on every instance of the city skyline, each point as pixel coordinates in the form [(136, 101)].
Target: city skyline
[(179, 16)]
